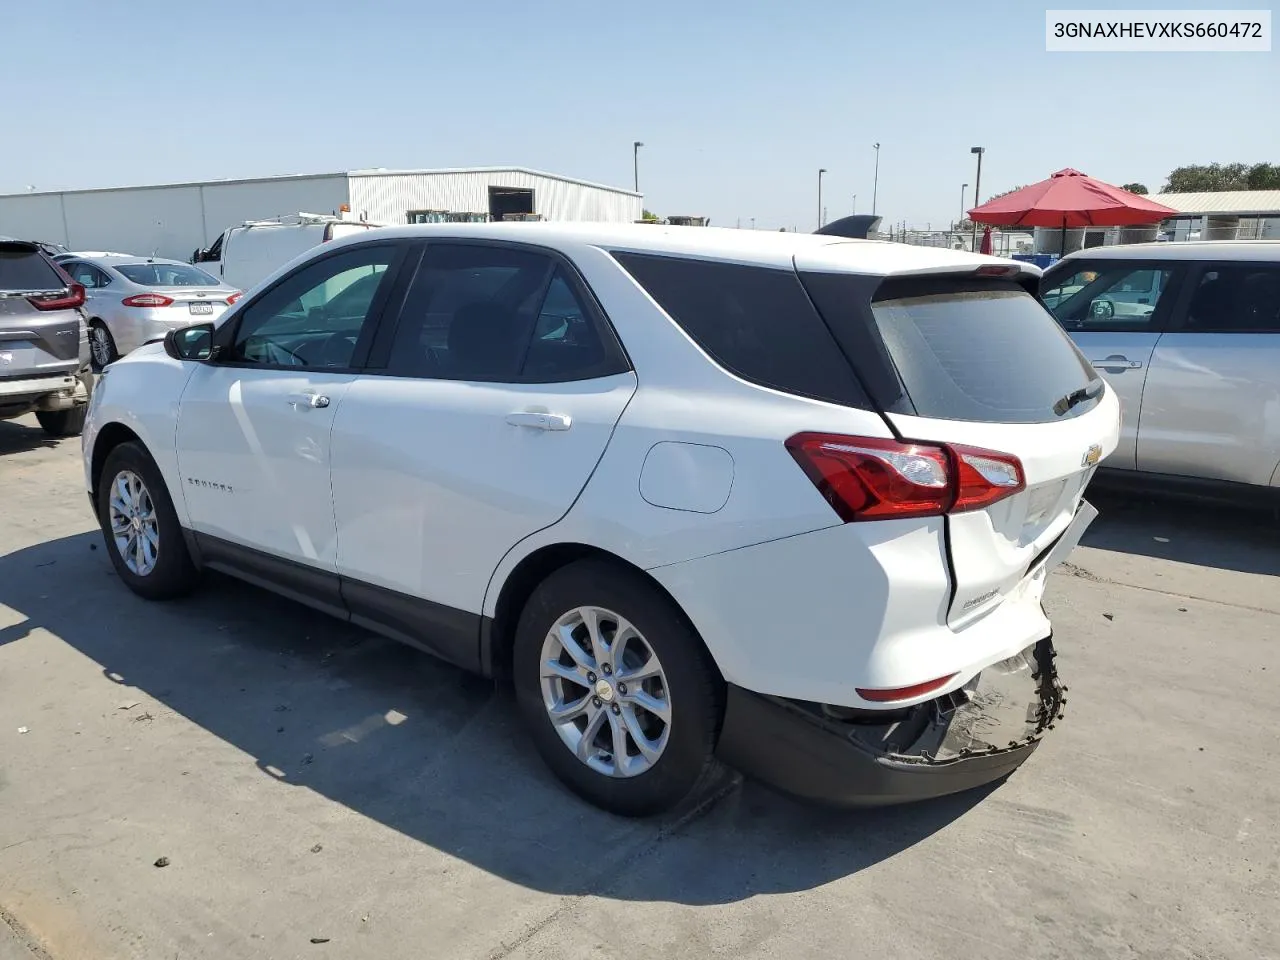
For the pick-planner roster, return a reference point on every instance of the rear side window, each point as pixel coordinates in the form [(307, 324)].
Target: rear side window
[(755, 322), (25, 269), (986, 352)]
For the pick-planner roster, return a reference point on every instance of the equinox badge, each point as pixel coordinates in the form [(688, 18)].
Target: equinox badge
[(1091, 456)]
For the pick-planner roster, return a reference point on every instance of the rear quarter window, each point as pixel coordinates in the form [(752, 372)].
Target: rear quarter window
[(980, 351), (755, 322), (23, 269)]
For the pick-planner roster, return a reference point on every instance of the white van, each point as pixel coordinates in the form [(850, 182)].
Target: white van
[(245, 254)]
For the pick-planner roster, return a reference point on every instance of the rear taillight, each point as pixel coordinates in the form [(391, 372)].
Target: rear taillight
[(74, 297), (871, 478), (147, 300), (234, 297)]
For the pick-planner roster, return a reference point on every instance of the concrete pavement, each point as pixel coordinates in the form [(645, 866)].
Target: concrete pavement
[(309, 782)]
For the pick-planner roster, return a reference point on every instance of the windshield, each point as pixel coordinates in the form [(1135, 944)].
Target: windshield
[(166, 275)]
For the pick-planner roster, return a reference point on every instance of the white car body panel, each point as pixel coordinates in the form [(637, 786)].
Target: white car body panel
[(254, 457), (432, 485), (144, 398)]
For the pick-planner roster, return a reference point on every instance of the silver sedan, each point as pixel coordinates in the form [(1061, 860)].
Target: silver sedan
[(132, 300)]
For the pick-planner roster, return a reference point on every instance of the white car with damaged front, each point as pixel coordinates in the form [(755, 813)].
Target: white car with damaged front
[(786, 501)]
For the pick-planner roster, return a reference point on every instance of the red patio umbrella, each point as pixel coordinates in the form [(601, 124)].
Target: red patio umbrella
[(1069, 199)]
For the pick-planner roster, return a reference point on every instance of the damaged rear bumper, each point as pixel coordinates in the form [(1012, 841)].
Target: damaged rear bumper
[(963, 740)]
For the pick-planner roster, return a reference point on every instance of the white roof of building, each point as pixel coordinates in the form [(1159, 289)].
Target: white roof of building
[(371, 172), (1265, 202)]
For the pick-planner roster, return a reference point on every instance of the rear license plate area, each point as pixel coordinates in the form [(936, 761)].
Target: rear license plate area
[(201, 309)]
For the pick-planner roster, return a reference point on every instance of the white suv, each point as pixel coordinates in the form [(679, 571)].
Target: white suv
[(786, 500)]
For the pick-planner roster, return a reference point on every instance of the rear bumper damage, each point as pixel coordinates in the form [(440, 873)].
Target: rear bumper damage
[(965, 739)]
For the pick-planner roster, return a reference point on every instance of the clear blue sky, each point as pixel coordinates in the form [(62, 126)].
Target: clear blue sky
[(738, 104)]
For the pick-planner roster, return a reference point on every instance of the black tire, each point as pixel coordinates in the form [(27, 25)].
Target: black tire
[(687, 764), (63, 423), (98, 329), (174, 574)]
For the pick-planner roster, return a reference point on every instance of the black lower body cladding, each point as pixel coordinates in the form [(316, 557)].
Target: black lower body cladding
[(957, 742)]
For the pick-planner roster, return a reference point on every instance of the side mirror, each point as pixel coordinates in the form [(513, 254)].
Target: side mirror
[(1102, 309), (190, 343)]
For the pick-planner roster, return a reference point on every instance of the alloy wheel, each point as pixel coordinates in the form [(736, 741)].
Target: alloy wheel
[(605, 692), (135, 528)]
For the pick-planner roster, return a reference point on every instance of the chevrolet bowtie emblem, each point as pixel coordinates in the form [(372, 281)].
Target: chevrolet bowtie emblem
[(1091, 456)]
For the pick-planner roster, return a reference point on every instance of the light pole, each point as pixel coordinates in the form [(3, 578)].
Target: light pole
[(875, 183), (635, 161), (977, 186), (963, 188), (855, 204), (821, 171), (753, 223)]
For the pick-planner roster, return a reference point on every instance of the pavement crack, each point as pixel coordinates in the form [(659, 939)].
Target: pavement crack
[(1080, 573)]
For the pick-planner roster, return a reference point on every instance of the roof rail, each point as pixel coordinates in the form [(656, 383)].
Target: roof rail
[(294, 218)]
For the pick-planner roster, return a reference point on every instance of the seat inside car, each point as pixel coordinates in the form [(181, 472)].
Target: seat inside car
[(485, 342)]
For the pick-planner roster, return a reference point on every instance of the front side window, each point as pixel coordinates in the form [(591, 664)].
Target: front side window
[(1241, 298), (314, 317), (1103, 296), (497, 314)]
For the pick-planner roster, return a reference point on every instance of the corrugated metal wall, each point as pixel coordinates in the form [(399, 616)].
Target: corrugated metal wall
[(162, 221), (386, 198)]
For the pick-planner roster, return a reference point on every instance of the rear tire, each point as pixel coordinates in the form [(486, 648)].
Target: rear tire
[(144, 539), (663, 671), (63, 423), (102, 346)]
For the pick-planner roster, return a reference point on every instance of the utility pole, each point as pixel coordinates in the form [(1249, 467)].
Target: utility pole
[(821, 171), (875, 183), (977, 189), (635, 162)]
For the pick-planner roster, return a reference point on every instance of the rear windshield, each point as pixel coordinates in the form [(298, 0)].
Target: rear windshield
[(755, 322), (27, 270), (166, 275), (986, 352)]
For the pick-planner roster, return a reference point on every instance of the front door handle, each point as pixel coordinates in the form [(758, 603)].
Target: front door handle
[(314, 400), (540, 421), (1117, 362)]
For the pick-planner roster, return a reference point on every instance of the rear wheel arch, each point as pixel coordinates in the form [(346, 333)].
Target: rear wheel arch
[(532, 571)]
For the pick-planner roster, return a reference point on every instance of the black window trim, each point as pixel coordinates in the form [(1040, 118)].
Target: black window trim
[(379, 355), (1164, 315), (224, 337), (1194, 276)]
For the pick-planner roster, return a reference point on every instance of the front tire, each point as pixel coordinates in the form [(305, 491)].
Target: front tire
[(144, 539), (620, 696)]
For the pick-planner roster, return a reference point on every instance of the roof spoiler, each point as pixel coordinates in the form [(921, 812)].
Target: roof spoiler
[(860, 226)]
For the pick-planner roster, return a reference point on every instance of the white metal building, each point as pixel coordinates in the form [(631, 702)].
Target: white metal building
[(173, 220)]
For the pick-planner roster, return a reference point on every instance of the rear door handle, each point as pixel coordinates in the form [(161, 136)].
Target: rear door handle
[(314, 400), (1117, 362), (540, 421)]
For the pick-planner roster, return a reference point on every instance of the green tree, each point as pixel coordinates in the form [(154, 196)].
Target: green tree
[(1209, 178), (648, 215), (1137, 188), (1264, 176)]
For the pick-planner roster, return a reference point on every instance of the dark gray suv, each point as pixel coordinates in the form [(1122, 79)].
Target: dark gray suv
[(44, 346)]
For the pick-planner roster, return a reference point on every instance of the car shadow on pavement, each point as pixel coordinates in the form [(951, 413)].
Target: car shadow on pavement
[(1211, 535), (20, 438), (426, 749)]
